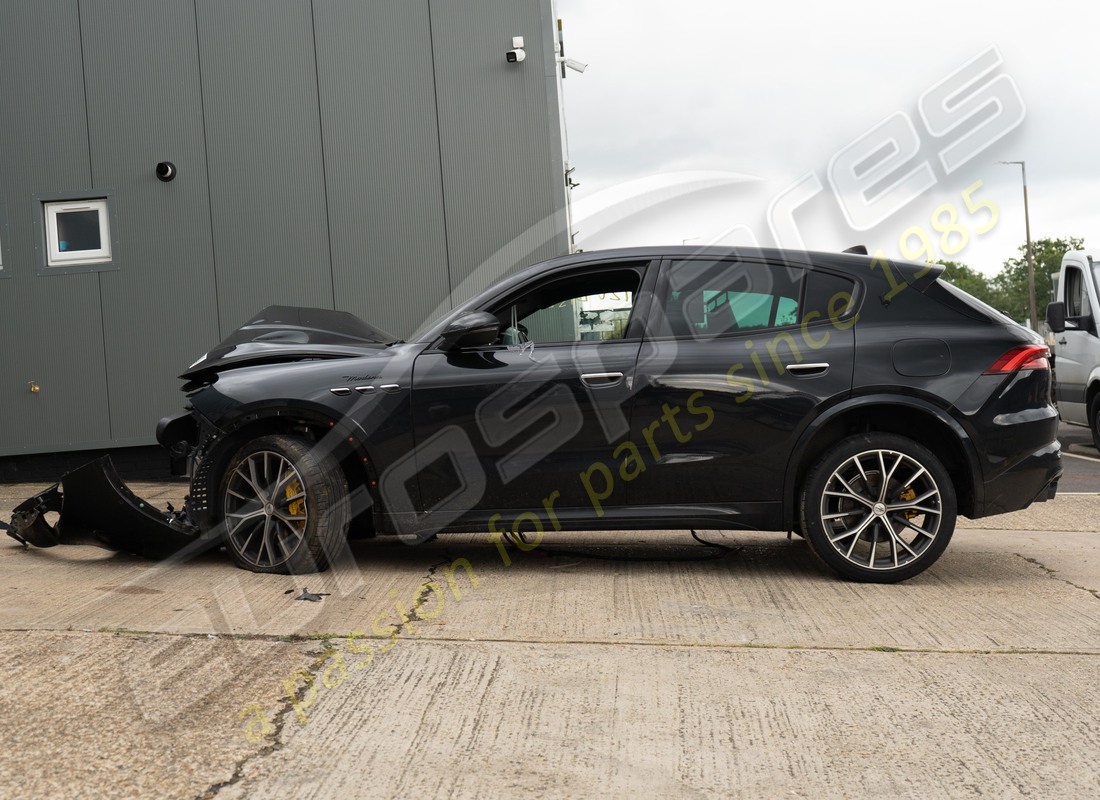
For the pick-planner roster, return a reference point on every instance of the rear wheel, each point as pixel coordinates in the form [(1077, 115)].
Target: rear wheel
[(878, 508), (284, 506)]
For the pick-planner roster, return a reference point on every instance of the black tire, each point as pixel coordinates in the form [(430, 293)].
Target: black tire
[(869, 532), (1094, 421), (284, 505)]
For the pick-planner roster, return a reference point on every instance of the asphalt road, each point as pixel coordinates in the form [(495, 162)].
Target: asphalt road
[(1081, 461)]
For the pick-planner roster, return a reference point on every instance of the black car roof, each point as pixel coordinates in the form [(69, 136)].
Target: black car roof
[(854, 263)]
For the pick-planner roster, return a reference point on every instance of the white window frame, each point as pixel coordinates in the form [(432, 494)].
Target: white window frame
[(55, 256)]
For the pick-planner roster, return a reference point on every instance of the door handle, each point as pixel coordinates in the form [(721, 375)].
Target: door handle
[(1062, 341), (597, 380), (807, 369)]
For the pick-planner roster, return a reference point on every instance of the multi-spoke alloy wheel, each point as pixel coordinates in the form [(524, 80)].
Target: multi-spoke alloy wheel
[(282, 505), (878, 507), (265, 509)]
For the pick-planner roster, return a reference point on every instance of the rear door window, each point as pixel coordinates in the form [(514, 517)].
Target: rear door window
[(708, 298)]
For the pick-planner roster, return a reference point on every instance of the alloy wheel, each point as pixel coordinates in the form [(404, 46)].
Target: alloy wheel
[(265, 509), (881, 509)]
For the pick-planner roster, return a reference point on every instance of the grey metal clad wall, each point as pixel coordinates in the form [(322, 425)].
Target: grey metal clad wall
[(367, 156), (145, 106), (263, 136), (50, 326), (498, 153), (382, 171)]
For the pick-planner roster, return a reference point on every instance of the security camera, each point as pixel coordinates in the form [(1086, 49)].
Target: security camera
[(514, 56), (572, 63)]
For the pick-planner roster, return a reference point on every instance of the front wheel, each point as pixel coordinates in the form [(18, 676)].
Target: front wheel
[(1094, 421), (284, 506), (878, 508)]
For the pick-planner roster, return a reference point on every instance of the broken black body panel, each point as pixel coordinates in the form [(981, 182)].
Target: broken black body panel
[(97, 508)]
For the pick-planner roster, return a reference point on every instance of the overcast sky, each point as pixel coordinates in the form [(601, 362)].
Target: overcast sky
[(693, 119)]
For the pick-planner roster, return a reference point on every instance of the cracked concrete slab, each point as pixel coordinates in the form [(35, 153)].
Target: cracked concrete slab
[(85, 714), (629, 663), (539, 720)]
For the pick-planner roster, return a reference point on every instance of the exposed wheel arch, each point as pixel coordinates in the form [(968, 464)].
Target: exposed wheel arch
[(348, 446), (910, 417), (1094, 418), (1093, 388)]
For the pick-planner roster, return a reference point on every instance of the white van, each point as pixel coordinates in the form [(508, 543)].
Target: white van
[(1073, 319)]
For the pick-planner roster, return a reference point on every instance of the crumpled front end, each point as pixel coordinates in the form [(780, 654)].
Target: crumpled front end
[(96, 508)]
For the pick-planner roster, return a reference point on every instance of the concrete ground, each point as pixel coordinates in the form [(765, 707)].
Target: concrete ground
[(455, 670)]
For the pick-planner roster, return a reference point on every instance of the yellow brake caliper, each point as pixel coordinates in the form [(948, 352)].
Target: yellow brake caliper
[(297, 507), (909, 495)]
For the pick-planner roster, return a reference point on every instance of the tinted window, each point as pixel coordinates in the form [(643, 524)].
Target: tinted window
[(708, 298), (831, 296), (589, 307)]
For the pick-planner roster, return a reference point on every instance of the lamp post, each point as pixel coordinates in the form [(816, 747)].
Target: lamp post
[(1030, 255)]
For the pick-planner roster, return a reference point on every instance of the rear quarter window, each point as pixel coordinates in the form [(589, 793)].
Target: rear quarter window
[(831, 296)]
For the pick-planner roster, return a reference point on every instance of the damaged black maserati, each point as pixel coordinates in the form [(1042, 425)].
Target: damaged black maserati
[(861, 403)]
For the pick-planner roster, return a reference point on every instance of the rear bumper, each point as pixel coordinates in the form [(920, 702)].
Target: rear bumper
[(1033, 479)]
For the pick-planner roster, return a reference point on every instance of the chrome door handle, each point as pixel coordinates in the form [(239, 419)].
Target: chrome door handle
[(807, 369), (596, 380)]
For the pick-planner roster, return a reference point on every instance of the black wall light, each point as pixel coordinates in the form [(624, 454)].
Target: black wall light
[(166, 171)]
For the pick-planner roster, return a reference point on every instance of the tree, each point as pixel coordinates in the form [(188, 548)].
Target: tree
[(970, 281), (1010, 284)]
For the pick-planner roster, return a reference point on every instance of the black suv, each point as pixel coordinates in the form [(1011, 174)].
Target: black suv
[(860, 402)]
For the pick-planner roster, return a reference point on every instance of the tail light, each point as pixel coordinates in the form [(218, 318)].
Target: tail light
[(1029, 356)]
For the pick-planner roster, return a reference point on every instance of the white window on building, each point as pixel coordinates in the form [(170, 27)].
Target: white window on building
[(77, 232)]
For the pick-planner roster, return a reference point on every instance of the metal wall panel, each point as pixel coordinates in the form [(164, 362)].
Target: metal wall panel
[(502, 169), (145, 106), (263, 136), (50, 326), (382, 170), (365, 156)]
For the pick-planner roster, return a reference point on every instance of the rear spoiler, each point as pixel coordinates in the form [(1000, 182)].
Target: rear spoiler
[(915, 273)]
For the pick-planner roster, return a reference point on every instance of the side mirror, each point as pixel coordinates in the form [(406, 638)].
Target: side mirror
[(1056, 316), (474, 329)]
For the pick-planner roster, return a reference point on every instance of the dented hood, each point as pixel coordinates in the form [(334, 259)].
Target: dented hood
[(291, 333)]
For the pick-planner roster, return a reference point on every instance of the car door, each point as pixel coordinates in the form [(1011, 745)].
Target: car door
[(513, 424), (738, 356)]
